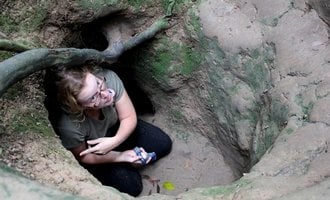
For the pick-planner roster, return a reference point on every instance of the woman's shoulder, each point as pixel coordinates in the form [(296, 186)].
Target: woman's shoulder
[(61, 118), (108, 74), (113, 81), (105, 72), (68, 121)]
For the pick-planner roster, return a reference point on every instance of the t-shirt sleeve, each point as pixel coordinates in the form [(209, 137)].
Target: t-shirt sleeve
[(70, 132), (115, 83), (71, 138)]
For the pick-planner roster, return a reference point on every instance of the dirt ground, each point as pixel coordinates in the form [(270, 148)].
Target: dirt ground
[(38, 154)]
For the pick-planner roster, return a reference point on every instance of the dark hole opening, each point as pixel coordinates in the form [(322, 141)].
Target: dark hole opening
[(92, 37)]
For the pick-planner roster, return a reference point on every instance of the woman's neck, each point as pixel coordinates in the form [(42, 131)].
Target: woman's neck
[(94, 113)]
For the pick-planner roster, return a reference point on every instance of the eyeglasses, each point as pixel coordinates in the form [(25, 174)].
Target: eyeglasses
[(96, 98)]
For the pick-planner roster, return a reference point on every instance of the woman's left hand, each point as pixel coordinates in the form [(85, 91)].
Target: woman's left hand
[(100, 146)]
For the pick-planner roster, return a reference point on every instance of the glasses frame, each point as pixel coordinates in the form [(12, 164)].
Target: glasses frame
[(96, 98)]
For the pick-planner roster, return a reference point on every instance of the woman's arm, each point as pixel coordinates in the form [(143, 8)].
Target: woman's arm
[(128, 120), (111, 157), (127, 117)]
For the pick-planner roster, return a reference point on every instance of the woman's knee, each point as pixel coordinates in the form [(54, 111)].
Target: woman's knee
[(163, 143), (166, 145), (132, 189), (122, 177), (130, 185), (154, 139)]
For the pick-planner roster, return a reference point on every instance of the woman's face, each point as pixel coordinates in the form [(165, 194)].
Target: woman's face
[(95, 93)]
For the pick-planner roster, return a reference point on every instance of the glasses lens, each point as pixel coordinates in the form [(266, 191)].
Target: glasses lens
[(101, 86)]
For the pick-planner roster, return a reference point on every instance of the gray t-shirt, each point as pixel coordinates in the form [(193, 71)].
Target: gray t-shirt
[(73, 132)]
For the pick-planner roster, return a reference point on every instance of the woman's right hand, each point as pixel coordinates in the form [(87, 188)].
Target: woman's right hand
[(128, 156), (131, 157)]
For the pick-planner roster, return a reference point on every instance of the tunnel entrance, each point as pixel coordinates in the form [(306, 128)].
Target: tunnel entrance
[(188, 149), (93, 38), (194, 161)]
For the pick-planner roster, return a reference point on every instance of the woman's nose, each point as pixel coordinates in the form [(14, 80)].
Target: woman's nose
[(104, 93)]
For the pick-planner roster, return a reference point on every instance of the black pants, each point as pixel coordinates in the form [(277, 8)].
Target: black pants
[(123, 176)]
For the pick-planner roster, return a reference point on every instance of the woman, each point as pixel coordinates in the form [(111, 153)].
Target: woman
[(95, 119)]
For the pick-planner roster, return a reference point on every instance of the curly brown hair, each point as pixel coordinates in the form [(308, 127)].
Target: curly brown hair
[(69, 83)]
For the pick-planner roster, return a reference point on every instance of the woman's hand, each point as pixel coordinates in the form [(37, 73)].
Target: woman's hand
[(131, 157), (100, 146), (128, 156)]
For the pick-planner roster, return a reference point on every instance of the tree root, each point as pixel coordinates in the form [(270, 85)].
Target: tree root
[(31, 61), (13, 46)]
